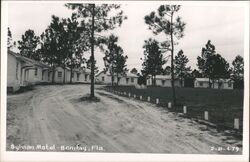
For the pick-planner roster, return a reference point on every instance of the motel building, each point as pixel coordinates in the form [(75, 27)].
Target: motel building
[(80, 75), (23, 71), (106, 78), (218, 84), (163, 81)]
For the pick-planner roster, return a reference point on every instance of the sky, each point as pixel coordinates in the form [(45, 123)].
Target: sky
[(222, 24)]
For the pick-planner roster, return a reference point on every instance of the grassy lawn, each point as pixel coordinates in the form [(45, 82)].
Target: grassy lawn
[(223, 105)]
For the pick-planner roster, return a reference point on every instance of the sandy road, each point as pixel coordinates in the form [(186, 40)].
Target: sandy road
[(55, 115)]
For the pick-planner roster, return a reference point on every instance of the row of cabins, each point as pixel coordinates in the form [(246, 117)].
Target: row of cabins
[(23, 71), (165, 81)]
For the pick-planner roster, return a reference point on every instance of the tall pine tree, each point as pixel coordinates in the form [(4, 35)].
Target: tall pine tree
[(28, 45), (165, 21), (97, 18), (153, 59)]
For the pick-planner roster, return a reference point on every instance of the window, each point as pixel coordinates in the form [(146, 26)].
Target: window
[(118, 79), (78, 76), (162, 82), (59, 74), (72, 74), (132, 80), (113, 78), (127, 80), (17, 66), (229, 84), (201, 84), (103, 78), (35, 71), (86, 77)]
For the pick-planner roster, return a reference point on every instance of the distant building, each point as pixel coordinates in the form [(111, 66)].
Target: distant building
[(218, 84), (106, 78), (163, 81)]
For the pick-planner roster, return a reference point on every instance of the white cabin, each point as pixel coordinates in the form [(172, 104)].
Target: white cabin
[(218, 84), (163, 81), (127, 79)]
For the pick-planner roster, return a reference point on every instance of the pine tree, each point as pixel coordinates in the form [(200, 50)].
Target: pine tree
[(97, 19), (181, 69), (163, 22), (114, 60), (28, 45), (238, 71), (153, 59), (10, 43)]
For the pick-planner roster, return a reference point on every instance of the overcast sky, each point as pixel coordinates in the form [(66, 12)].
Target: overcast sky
[(223, 25)]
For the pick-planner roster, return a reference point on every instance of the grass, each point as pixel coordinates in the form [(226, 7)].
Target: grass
[(223, 105)]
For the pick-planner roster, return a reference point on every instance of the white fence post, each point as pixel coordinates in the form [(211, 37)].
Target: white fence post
[(184, 109), (134, 96), (236, 123), (148, 98), (157, 101), (140, 97), (206, 115), (169, 105), (129, 94)]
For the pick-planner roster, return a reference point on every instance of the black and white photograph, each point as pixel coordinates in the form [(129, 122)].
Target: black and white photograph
[(125, 77)]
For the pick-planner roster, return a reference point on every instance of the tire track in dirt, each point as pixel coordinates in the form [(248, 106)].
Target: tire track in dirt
[(56, 115)]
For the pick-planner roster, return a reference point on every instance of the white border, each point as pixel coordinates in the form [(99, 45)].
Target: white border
[(40, 156)]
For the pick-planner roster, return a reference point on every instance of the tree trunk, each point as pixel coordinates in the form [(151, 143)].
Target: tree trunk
[(112, 80), (71, 76), (53, 74), (172, 61), (117, 79), (64, 71), (92, 58)]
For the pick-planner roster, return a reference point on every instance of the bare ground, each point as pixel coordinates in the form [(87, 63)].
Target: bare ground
[(55, 115)]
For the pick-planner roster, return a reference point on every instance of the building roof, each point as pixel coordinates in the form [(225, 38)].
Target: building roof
[(202, 79), (207, 80), (163, 76), (28, 61), (126, 75)]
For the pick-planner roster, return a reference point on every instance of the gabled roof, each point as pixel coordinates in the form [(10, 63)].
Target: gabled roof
[(125, 75), (28, 60), (163, 77), (202, 79), (131, 75), (207, 80)]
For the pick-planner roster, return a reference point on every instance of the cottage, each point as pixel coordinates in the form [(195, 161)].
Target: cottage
[(106, 78), (128, 79), (61, 75), (14, 76), (23, 71), (34, 72), (163, 80), (217, 84), (82, 75)]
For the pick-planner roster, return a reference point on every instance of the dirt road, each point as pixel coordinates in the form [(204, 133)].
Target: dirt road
[(53, 118)]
